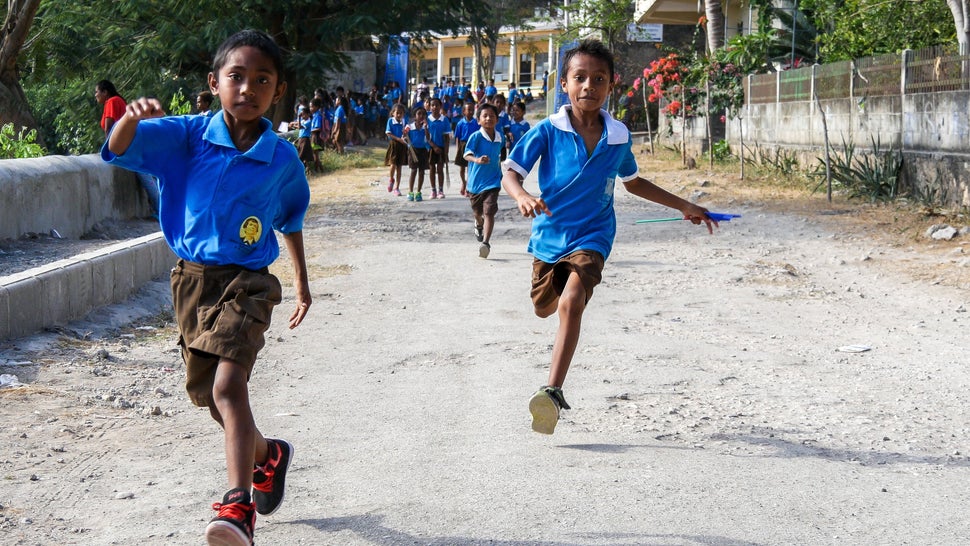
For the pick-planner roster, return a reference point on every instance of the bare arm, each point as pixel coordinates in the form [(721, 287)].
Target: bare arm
[(294, 244), (529, 205), (646, 189), (124, 129)]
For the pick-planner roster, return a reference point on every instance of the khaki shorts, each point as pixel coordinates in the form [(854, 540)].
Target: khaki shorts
[(548, 280), (222, 312), (484, 203)]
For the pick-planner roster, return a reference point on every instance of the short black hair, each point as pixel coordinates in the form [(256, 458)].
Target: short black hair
[(252, 38), (485, 105), (593, 48), (107, 87)]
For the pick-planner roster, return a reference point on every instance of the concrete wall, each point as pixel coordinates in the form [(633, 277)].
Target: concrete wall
[(66, 193), (71, 194), (931, 129)]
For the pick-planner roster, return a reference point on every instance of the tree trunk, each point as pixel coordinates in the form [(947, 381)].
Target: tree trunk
[(961, 19), (715, 24), (13, 102)]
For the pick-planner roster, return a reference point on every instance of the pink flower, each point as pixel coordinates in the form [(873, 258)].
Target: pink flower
[(723, 119)]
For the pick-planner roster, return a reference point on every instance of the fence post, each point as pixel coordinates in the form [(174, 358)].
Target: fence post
[(811, 103), (852, 79), (903, 77)]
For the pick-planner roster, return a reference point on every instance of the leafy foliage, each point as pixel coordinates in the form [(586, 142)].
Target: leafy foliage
[(873, 176), (14, 145), (861, 28)]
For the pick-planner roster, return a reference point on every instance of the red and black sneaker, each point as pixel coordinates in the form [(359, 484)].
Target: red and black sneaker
[(236, 520), (269, 479)]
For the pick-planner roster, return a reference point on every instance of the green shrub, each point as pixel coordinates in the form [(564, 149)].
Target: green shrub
[(17, 146)]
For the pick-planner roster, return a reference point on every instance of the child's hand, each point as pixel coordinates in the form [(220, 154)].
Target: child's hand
[(144, 108), (697, 214), (303, 306), (484, 160), (531, 206)]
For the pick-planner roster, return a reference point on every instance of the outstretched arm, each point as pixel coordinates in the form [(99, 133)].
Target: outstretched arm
[(124, 130), (646, 189), (294, 244)]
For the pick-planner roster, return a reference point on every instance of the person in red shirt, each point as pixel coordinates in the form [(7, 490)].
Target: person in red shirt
[(114, 105), (114, 109)]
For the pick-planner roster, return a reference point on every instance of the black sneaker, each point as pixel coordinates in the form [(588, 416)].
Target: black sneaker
[(236, 520), (269, 480), (484, 250), (479, 234), (545, 406)]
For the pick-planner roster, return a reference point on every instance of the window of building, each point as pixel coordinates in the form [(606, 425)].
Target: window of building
[(501, 72), (466, 69), (428, 68), (454, 66), (525, 70)]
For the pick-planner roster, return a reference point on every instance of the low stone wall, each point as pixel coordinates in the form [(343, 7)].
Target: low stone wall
[(70, 195), (931, 129), (65, 193)]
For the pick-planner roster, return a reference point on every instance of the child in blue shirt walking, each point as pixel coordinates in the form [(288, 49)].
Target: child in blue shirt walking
[(439, 131), (583, 151), (465, 128), (419, 151), (482, 152), (226, 182)]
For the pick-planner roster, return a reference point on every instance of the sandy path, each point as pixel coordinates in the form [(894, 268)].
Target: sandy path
[(711, 402)]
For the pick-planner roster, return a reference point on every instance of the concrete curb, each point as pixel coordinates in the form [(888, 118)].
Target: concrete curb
[(69, 289)]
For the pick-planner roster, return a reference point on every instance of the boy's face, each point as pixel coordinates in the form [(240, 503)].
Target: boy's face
[(587, 82), (435, 108), (517, 113), (468, 111), (247, 85), (487, 118), (420, 115)]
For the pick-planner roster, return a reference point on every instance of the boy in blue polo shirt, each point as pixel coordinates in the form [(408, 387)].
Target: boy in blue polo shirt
[(226, 182), (482, 152), (583, 151), (439, 129)]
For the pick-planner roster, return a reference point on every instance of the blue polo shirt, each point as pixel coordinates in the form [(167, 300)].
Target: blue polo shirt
[(489, 176), (418, 137), (340, 115), (218, 206), (465, 128), (518, 128), (490, 91), (577, 188), (439, 127), (305, 125), (394, 128), (317, 123)]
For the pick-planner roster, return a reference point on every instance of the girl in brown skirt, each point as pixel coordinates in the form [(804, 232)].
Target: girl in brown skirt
[(397, 148)]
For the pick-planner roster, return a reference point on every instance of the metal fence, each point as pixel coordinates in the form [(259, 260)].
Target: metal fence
[(930, 70)]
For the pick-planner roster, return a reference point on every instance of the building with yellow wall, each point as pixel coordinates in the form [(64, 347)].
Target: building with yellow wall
[(523, 55)]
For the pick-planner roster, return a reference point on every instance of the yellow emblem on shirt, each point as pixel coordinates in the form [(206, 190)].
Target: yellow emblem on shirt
[(250, 230)]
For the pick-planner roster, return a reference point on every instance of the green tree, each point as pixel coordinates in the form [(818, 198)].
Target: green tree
[(861, 28), (17, 20)]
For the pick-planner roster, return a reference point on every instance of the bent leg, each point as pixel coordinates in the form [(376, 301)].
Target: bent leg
[(571, 305), (244, 444)]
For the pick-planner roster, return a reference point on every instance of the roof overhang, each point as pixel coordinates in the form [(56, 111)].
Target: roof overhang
[(667, 12)]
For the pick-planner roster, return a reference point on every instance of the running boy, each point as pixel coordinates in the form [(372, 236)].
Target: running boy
[(465, 128), (583, 151), (227, 181), (484, 175)]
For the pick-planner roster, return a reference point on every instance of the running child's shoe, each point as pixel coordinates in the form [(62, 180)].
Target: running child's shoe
[(234, 524), (434, 194), (479, 234), (390, 185), (269, 480), (484, 250), (545, 406), (397, 192)]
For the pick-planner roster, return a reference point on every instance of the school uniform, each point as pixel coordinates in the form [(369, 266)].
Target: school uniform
[(420, 149), (439, 128), (484, 181), (304, 148), (578, 188), (397, 152), (463, 131), (517, 129)]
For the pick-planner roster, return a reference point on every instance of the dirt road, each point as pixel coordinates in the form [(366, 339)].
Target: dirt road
[(789, 380)]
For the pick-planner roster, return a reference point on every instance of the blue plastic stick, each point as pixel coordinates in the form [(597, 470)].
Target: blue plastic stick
[(716, 216)]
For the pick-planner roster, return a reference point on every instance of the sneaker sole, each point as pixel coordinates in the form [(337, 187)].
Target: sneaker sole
[(544, 413), (281, 472), (223, 533), (483, 251)]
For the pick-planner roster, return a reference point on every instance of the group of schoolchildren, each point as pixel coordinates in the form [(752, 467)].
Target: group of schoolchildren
[(223, 293), (483, 132)]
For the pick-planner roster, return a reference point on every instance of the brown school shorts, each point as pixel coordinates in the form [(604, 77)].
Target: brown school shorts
[(437, 158), (222, 312), (484, 203), (460, 154), (548, 280)]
